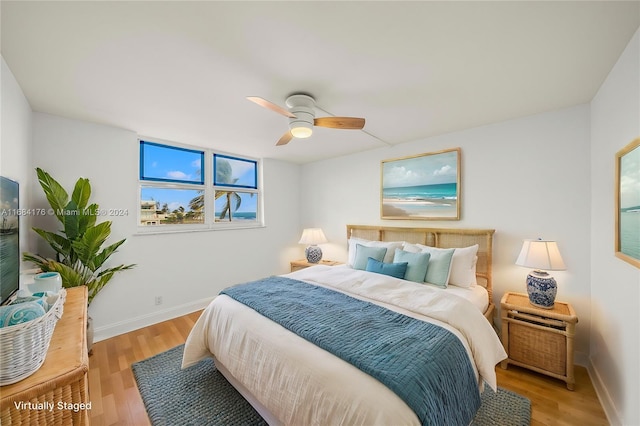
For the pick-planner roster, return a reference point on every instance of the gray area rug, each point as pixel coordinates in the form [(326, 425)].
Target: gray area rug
[(200, 395)]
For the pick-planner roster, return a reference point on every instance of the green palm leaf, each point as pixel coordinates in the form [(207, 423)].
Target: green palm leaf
[(101, 257), (81, 193), (71, 220), (88, 245), (88, 218), (57, 242), (55, 193)]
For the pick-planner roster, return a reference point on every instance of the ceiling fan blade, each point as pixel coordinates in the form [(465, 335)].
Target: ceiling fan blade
[(340, 122), (270, 105), (285, 139)]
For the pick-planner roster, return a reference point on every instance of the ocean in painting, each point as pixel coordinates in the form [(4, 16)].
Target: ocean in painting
[(439, 200), (421, 192), (630, 233)]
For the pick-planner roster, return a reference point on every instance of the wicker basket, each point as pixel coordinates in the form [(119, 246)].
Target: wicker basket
[(23, 347)]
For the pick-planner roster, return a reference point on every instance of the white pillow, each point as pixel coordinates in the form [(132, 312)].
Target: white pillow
[(390, 245), (463, 263), (463, 271)]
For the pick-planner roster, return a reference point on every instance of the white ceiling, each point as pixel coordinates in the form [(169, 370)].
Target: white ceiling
[(180, 71)]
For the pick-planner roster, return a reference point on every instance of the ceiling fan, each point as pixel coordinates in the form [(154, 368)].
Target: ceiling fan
[(302, 117)]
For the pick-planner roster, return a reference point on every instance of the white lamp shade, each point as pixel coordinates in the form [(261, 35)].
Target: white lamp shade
[(312, 236), (541, 254)]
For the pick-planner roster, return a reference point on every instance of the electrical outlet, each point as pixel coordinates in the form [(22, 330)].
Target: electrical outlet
[(158, 300)]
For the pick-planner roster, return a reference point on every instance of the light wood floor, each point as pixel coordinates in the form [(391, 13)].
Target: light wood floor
[(116, 401)]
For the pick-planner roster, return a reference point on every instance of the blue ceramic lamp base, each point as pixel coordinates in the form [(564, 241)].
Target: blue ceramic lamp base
[(313, 253), (542, 289)]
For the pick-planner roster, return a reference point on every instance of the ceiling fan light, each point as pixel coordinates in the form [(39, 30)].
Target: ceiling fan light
[(301, 131)]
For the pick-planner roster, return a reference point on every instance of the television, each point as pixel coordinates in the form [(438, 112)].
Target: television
[(9, 238)]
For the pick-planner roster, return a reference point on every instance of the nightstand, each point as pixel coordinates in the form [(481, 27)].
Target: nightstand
[(539, 339), (296, 265)]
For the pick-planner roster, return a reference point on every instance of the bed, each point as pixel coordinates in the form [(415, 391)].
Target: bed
[(428, 367)]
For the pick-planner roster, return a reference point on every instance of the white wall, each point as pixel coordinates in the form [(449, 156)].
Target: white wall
[(615, 284), (525, 178), (16, 142), (186, 269)]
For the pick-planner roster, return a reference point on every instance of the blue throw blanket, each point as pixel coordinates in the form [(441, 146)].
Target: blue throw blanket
[(424, 364)]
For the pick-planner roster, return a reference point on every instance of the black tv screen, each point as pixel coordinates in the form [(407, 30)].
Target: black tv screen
[(9, 238)]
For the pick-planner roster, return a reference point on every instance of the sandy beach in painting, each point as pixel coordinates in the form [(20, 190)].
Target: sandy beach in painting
[(424, 208)]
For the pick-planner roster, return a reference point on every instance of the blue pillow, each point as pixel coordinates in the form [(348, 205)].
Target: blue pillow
[(363, 253), (396, 270), (417, 264)]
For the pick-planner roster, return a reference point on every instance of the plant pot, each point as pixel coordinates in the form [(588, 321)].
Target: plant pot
[(89, 334)]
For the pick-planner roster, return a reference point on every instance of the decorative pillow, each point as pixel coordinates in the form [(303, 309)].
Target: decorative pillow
[(17, 314), (363, 253), (439, 263), (389, 245), (463, 273), (417, 264), (396, 270)]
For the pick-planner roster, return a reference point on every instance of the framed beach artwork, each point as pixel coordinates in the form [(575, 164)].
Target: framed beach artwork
[(628, 203), (421, 187)]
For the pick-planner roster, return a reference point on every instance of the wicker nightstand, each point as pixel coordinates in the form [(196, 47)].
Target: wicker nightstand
[(296, 265), (539, 339)]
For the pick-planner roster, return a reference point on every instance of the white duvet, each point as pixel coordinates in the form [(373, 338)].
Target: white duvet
[(301, 384)]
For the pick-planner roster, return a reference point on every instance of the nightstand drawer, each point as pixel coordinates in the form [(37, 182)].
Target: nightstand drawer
[(538, 348)]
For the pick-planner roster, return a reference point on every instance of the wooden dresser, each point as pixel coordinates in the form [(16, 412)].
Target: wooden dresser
[(56, 394)]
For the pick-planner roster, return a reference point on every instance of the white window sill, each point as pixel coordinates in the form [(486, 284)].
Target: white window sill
[(179, 229)]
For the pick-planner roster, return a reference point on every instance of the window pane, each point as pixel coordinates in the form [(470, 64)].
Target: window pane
[(233, 171), (170, 164), (166, 206), (236, 206)]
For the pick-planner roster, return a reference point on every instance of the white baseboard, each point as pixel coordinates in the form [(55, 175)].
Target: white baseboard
[(115, 329), (603, 395)]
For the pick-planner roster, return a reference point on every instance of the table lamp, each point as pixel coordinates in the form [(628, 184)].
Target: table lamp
[(312, 237), (542, 256)]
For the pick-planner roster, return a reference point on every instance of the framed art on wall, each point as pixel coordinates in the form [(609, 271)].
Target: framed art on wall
[(421, 187), (628, 203)]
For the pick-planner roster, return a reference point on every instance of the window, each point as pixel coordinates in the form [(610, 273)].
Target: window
[(177, 191), (235, 184)]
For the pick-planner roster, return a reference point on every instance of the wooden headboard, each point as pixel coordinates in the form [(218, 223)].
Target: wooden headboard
[(443, 238)]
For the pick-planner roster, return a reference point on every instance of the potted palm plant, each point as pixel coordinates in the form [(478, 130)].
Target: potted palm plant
[(79, 256)]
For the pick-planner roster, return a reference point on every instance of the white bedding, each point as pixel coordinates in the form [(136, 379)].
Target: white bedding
[(475, 294), (300, 383)]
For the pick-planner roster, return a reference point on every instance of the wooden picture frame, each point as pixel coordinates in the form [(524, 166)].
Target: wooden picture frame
[(627, 203), (421, 187)]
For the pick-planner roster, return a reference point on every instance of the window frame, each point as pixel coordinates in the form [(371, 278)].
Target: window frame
[(208, 187), (177, 148)]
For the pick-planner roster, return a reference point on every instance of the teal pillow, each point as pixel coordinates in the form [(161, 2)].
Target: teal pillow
[(19, 313), (363, 253), (396, 270), (439, 265), (417, 264)]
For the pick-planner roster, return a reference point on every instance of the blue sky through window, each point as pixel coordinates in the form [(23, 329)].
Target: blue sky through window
[(167, 163), (235, 171)]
